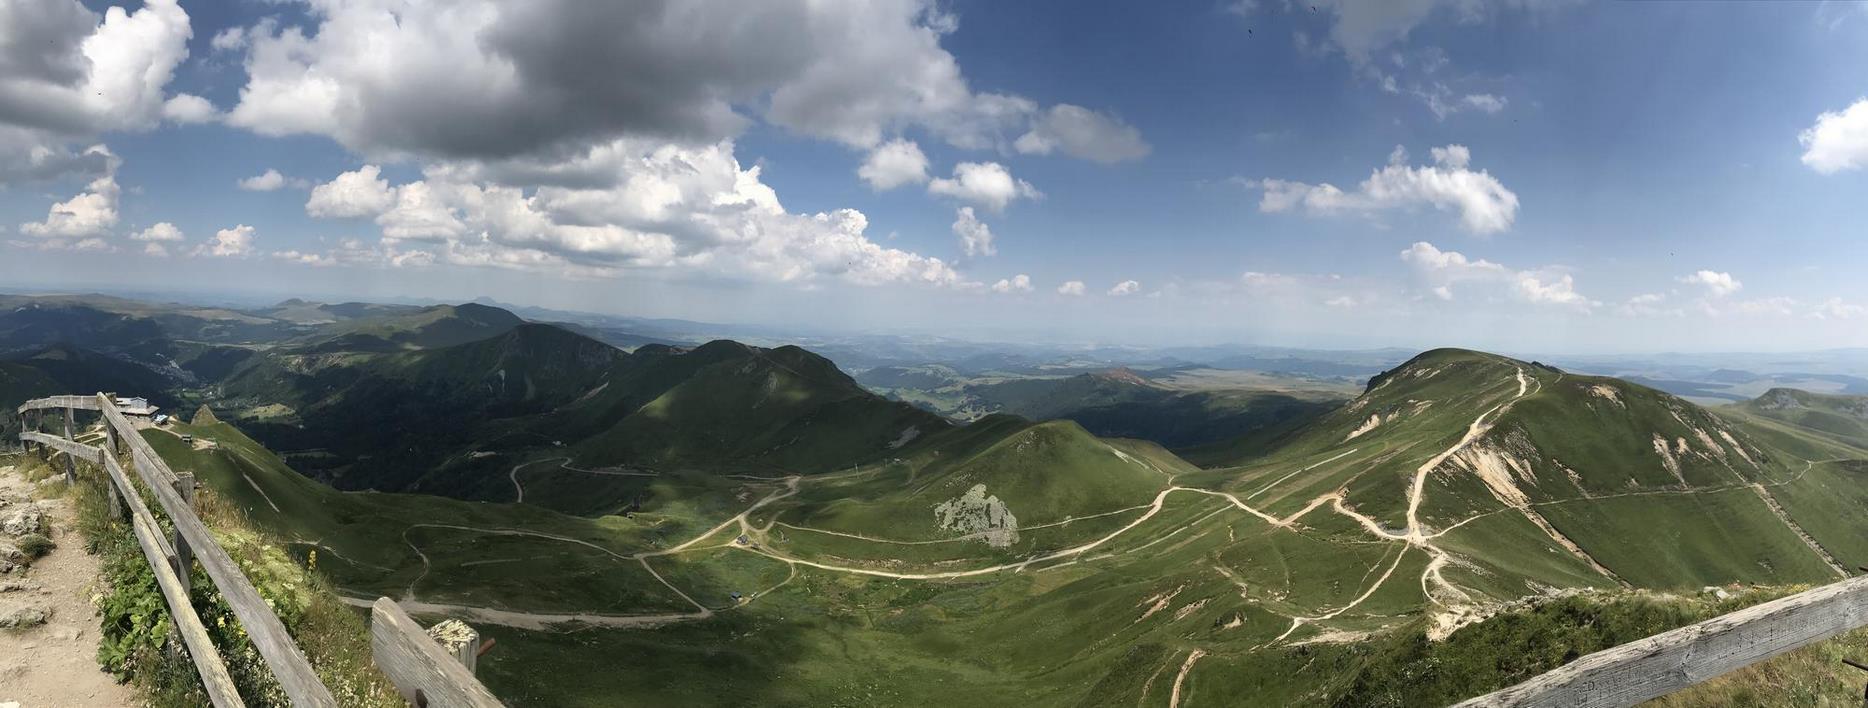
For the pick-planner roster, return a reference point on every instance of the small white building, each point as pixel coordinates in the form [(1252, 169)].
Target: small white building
[(135, 406)]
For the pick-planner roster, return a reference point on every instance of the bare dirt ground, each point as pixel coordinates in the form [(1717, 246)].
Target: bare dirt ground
[(53, 664)]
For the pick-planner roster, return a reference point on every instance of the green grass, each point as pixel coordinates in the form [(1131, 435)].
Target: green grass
[(365, 539), (1112, 624), (1827, 501), (1689, 540), (134, 631)]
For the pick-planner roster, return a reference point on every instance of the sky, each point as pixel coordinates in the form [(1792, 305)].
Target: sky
[(1527, 175)]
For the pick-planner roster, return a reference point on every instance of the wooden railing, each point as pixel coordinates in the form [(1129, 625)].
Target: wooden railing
[(399, 644), (1670, 661)]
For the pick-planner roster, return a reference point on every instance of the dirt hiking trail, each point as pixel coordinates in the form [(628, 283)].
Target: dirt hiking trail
[(49, 659)]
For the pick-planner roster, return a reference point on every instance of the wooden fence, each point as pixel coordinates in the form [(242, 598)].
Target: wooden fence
[(399, 644), (1670, 661)]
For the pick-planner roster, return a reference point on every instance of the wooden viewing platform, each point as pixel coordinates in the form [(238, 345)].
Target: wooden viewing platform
[(421, 670)]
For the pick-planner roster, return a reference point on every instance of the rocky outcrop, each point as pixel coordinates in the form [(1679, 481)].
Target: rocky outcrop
[(16, 614)]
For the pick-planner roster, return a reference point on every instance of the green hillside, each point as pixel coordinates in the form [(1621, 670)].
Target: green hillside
[(1841, 418), (747, 526), (1111, 403), (728, 404), (455, 420), (425, 328)]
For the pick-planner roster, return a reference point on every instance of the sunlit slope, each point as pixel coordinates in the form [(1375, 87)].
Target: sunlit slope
[(432, 549), (998, 489), (1017, 563), (1524, 477), (1840, 418)]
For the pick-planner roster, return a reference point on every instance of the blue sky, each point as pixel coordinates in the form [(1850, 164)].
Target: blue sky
[(1555, 176)]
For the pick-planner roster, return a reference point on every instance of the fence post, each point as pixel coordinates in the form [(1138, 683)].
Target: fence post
[(423, 671), (184, 556), (118, 506), (111, 448), (459, 639), (71, 466)]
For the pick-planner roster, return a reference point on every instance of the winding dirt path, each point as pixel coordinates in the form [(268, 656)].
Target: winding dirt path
[(564, 463), (1181, 678)]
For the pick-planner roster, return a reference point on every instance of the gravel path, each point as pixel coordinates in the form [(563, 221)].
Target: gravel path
[(53, 664)]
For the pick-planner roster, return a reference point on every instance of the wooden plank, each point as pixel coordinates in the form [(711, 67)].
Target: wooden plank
[(184, 555), (207, 659), (422, 671), (269, 636), (76, 449), (1670, 661), (126, 491), (71, 430), (88, 403)]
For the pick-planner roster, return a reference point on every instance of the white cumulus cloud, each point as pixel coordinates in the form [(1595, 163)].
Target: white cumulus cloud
[(267, 181), (1071, 287), (1020, 283), (1484, 205), (1442, 271), (1080, 132), (1126, 287), (163, 231), (663, 207), (1838, 141), (988, 184), (188, 108), (1717, 283), (360, 192), (975, 237), (89, 214), (236, 242), (514, 77), (67, 73), (893, 164)]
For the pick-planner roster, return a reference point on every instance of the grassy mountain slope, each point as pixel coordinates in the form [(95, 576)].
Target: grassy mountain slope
[(386, 420), (1112, 403), (1010, 562), (456, 419), (1843, 418), (726, 404), (425, 328)]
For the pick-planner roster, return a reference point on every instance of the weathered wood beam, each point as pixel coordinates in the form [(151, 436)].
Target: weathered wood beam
[(207, 659), (88, 403), (1670, 661), (424, 673), (294, 673), (71, 426)]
